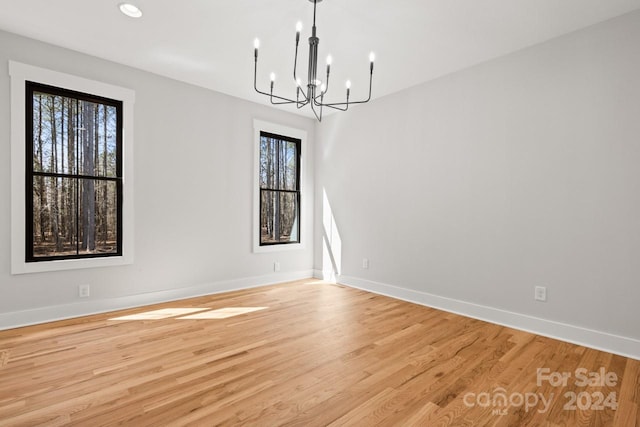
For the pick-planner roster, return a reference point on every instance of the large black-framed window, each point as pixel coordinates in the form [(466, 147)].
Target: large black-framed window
[(73, 174), (279, 189)]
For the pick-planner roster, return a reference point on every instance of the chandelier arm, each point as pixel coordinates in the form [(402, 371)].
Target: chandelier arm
[(295, 60), (326, 85), (322, 94), (283, 100), (305, 99), (270, 95), (315, 113), (301, 104), (333, 104), (280, 102), (336, 108)]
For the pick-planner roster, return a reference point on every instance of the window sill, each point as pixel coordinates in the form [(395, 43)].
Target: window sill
[(69, 264), (279, 248)]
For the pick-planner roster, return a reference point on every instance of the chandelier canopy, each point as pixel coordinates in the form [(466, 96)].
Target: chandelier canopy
[(316, 90)]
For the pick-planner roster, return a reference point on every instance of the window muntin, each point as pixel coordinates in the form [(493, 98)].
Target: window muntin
[(279, 178), (73, 174)]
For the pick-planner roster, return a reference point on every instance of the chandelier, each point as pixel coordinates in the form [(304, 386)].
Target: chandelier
[(316, 89)]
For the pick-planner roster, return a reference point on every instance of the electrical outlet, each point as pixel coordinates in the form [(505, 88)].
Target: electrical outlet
[(365, 263), (84, 291), (276, 266), (541, 293)]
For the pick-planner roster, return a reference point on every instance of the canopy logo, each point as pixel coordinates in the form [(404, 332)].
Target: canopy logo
[(501, 402), (596, 400)]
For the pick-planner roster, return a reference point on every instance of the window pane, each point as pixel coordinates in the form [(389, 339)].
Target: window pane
[(288, 161), (97, 139), (267, 162), (278, 164), (289, 217), (54, 218), (56, 231), (97, 217), (279, 217), (72, 136), (54, 148)]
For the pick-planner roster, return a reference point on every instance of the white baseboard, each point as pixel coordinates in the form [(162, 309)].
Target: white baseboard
[(599, 340), (34, 316), (326, 275)]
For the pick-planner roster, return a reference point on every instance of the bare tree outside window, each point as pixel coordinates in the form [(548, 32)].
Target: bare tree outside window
[(279, 189), (74, 175)]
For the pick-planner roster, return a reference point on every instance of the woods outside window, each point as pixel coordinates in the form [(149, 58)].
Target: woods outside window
[(279, 177), (72, 141), (74, 174)]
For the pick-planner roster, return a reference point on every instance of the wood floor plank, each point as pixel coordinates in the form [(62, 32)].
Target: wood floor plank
[(317, 355)]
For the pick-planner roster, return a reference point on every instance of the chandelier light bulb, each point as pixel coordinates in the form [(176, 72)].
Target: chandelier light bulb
[(329, 60), (323, 88), (372, 57), (348, 84), (256, 44), (299, 82), (298, 26), (272, 76)]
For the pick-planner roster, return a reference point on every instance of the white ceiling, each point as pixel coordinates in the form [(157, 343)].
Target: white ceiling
[(210, 42)]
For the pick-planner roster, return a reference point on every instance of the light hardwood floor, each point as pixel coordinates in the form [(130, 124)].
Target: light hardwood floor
[(318, 355)]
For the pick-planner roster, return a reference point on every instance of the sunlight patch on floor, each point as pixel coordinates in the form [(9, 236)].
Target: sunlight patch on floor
[(222, 313), (160, 314)]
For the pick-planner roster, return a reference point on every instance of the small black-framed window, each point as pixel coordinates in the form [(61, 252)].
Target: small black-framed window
[(279, 177), (73, 174)]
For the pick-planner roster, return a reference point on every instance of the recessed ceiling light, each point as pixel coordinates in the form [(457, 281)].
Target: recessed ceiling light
[(130, 10)]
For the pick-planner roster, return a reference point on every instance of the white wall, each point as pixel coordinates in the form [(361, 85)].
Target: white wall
[(468, 191), (193, 196)]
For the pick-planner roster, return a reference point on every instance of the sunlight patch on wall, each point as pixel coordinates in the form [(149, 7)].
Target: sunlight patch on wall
[(331, 242)]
